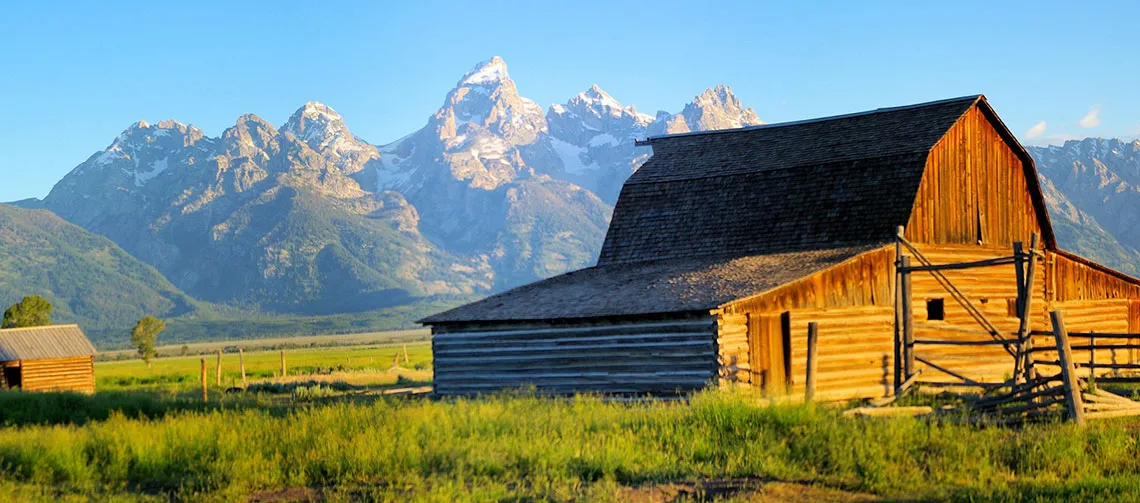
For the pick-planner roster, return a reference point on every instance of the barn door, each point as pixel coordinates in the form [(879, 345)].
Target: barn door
[(767, 336)]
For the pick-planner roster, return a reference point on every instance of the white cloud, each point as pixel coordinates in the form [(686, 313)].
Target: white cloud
[(1091, 119), (1037, 130)]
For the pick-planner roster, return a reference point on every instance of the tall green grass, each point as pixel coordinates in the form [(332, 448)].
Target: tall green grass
[(524, 448)]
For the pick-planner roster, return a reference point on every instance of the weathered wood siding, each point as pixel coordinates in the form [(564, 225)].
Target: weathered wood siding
[(859, 281), (992, 291), (853, 304), (650, 356), (1073, 279), (975, 190), (59, 374)]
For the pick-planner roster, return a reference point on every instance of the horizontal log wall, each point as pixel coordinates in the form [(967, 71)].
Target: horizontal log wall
[(629, 357), (856, 351), (991, 290), (59, 374), (733, 357)]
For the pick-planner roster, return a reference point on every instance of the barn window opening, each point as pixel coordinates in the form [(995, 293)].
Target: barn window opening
[(935, 309)]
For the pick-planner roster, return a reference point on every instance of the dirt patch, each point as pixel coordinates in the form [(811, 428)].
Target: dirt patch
[(742, 490)]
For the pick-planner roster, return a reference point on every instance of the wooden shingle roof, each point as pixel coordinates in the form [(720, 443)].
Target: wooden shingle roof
[(664, 286), (716, 216), (41, 343), (830, 182)]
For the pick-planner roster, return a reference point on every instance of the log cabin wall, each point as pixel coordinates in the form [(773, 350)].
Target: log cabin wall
[(59, 374), (975, 190), (853, 304), (992, 291), (650, 355), (1092, 299)]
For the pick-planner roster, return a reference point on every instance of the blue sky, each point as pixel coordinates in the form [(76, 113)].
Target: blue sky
[(75, 75)]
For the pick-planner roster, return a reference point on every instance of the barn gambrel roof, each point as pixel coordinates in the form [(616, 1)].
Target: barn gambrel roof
[(786, 200)]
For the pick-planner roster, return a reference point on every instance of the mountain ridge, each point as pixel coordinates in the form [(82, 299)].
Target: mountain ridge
[(491, 192)]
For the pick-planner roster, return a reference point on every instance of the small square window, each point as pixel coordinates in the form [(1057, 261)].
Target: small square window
[(935, 309)]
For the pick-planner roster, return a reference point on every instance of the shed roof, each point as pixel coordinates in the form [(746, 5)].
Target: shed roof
[(41, 343), (664, 286)]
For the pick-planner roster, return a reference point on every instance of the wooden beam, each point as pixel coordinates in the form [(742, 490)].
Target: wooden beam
[(907, 322), (812, 361), (961, 265), (1073, 399), (899, 240), (1024, 363)]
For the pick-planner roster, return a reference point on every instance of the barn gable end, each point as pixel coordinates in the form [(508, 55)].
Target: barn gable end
[(979, 187)]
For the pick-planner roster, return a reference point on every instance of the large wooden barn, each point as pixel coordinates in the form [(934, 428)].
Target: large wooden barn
[(50, 358), (725, 245)]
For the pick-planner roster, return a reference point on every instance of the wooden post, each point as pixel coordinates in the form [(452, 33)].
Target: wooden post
[(1024, 362), (812, 361), (205, 398), (283, 373), (1092, 358), (908, 323), (241, 366), (218, 370), (898, 308), (1073, 399), (405, 354)]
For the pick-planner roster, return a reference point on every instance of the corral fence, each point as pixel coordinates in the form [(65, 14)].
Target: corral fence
[(1045, 373)]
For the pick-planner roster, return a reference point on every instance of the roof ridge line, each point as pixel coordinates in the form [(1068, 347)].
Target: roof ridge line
[(781, 168), (42, 327), (651, 139)]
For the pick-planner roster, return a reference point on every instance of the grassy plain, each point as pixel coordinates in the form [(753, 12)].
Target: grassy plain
[(525, 448), (182, 373), (327, 432)]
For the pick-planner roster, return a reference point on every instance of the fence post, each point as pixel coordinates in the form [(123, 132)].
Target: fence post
[(283, 374), (1073, 399), (204, 394), (1024, 361), (1092, 358), (241, 365), (812, 361), (218, 370), (898, 309), (405, 354), (908, 323)]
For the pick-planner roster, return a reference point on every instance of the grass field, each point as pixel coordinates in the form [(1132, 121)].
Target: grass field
[(328, 432), (524, 448), (361, 339), (182, 373)]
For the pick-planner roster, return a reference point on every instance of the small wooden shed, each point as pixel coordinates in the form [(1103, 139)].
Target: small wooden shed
[(725, 245), (49, 358)]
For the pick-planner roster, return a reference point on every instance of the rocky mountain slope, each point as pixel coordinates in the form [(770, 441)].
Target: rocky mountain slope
[(87, 278), (1092, 189), (308, 218), (260, 217)]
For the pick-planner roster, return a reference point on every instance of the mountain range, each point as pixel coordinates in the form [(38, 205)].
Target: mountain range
[(308, 219)]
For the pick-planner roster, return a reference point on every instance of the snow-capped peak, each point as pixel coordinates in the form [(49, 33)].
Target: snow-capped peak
[(488, 72), (315, 121), (597, 96)]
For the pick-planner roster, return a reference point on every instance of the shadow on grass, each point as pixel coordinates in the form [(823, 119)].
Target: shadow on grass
[(19, 408)]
